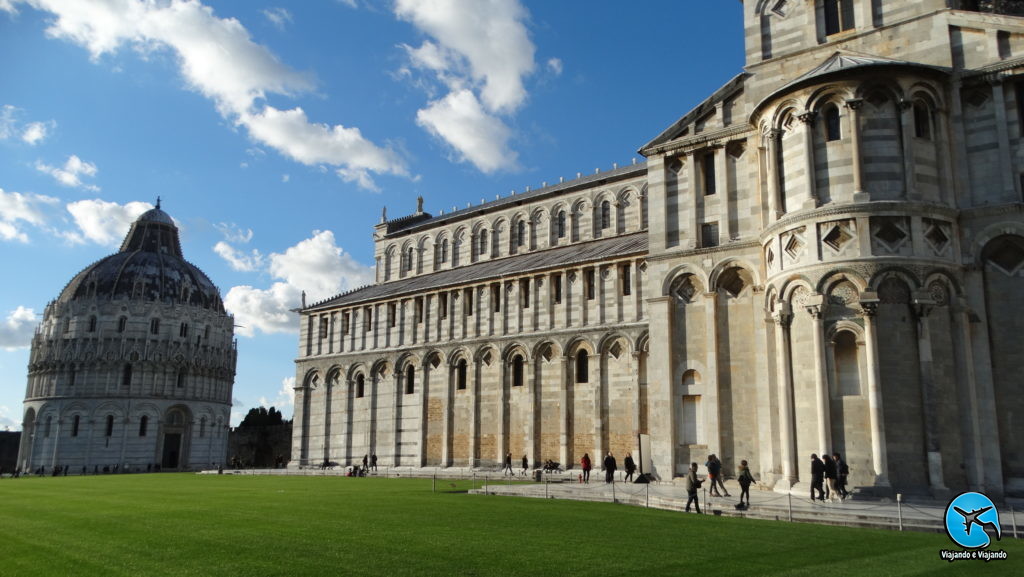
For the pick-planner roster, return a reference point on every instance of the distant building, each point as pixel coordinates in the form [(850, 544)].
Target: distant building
[(9, 442), (824, 255), (133, 364)]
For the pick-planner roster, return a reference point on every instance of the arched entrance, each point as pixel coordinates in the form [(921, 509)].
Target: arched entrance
[(174, 438)]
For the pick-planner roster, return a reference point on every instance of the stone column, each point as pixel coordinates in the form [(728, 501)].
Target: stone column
[(693, 184), (474, 412), (854, 107), (599, 446), (880, 462), (533, 440), (967, 396), (807, 120), (564, 412), (661, 397), (923, 304), (328, 391), (634, 373), (396, 416), (712, 411), (503, 409), (816, 306), (787, 429)]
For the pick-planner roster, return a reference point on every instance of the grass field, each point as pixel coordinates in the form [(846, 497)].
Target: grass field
[(183, 524)]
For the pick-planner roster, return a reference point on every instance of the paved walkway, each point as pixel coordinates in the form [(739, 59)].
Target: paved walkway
[(912, 515)]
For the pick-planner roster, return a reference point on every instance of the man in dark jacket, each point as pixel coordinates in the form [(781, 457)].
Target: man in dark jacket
[(817, 476), (692, 484), (609, 468)]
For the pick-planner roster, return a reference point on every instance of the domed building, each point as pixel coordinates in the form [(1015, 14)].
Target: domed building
[(133, 363)]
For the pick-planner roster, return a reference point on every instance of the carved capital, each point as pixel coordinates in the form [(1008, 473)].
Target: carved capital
[(783, 319), (807, 116), (855, 103)]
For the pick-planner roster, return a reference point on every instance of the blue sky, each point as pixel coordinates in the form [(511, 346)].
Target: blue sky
[(275, 132)]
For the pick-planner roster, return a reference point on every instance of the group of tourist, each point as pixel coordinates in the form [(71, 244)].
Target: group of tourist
[(831, 472)]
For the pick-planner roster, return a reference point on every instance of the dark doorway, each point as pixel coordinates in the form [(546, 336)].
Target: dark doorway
[(172, 448)]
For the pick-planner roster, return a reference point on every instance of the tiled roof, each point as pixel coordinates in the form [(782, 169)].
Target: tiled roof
[(635, 243)]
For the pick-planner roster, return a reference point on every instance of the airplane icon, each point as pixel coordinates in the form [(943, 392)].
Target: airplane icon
[(972, 519)]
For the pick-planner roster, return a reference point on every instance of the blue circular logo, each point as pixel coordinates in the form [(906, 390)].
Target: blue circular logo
[(970, 519)]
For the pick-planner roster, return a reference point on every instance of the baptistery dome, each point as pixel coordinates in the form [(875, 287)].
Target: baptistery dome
[(133, 364)]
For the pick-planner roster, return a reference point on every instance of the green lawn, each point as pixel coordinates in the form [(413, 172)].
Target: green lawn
[(183, 524)]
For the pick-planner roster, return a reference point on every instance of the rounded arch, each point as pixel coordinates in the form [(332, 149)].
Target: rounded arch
[(953, 287), (829, 94), (608, 340), (676, 274), (355, 369), (459, 354), (407, 359), (895, 272), (75, 407), (784, 112), (845, 325), (722, 276), (380, 367), (579, 343), (513, 349), (104, 409), (334, 375), (547, 350), (481, 353), (890, 90), (643, 342), (992, 232), (838, 275), (927, 93), (434, 358), (311, 380)]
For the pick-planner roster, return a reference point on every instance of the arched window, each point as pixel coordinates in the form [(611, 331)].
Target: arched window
[(517, 371), (181, 378), (143, 425), (606, 215), (154, 326), (110, 425), (830, 117), (126, 376), (922, 121), (444, 250), (460, 374), (521, 233), (561, 224), (74, 425), (410, 379), (483, 243), (360, 386), (582, 366), (410, 259), (122, 324), (92, 324)]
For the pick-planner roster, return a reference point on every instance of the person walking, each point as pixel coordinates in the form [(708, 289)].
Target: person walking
[(831, 493), (586, 465), (508, 465), (745, 479), (373, 461), (526, 465), (609, 467), (714, 467), (817, 476), (692, 484), (630, 465), (843, 471)]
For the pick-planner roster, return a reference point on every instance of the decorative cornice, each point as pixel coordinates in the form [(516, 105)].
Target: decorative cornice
[(857, 209)]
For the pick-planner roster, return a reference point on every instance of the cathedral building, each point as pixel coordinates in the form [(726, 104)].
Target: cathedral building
[(133, 364), (822, 256)]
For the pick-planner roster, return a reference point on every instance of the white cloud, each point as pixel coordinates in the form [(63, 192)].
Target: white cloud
[(279, 17), (285, 396), (234, 233), (555, 66), (218, 59), (285, 177), (17, 329), (6, 420), (349, 3), (316, 265), (7, 122), (237, 259), (72, 172), (7, 6), (481, 52), (16, 208), (475, 135), (489, 34), (36, 132), (101, 222), (32, 133)]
